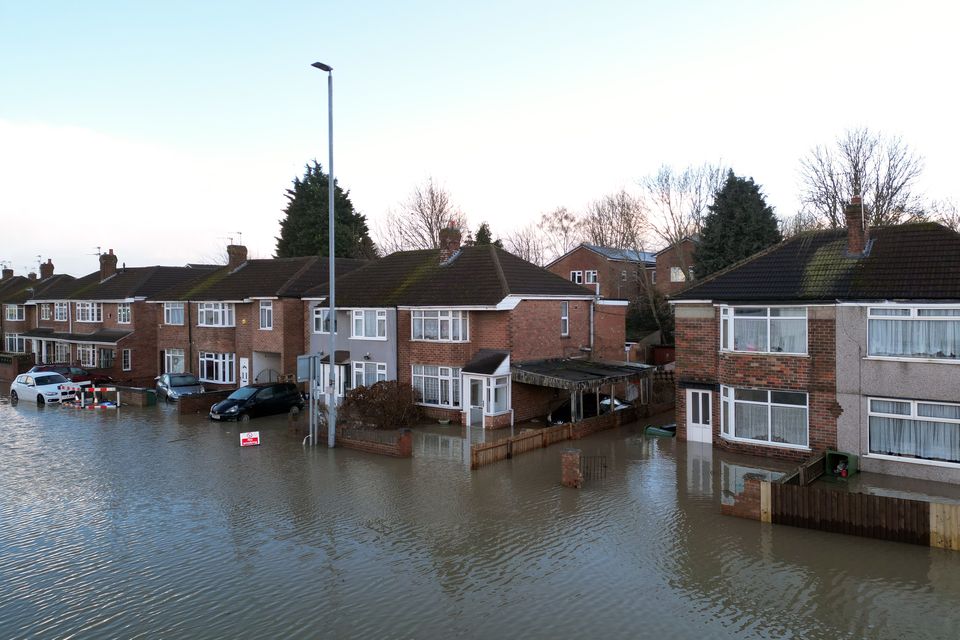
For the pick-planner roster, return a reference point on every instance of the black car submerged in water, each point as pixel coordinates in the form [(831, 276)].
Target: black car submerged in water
[(255, 400)]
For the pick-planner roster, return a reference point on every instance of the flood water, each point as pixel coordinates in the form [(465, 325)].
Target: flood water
[(142, 524)]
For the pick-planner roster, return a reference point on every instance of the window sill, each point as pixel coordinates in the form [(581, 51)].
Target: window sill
[(764, 443), (265, 329), (439, 341), (440, 406), (216, 326), (929, 463), (367, 338), (953, 361), (764, 353)]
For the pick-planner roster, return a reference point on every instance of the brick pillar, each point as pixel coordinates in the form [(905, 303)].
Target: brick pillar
[(570, 475), (405, 443)]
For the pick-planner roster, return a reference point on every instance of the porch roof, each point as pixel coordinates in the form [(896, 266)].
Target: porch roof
[(101, 336), (576, 375), (486, 362)]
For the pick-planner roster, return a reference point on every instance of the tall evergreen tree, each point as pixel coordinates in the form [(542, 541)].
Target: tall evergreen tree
[(485, 236), (738, 224), (304, 229)]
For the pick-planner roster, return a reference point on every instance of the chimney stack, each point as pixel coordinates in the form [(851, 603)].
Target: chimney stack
[(857, 235), (46, 269), (449, 242), (7, 274), (236, 255), (108, 265), (31, 276)]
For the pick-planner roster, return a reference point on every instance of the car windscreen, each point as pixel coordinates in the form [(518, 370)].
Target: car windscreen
[(50, 378), (242, 393), (184, 381)]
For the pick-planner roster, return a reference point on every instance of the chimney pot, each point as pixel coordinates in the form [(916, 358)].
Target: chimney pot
[(108, 265), (236, 255)]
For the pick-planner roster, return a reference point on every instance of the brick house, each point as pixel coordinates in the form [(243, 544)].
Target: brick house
[(675, 266), (606, 271), (454, 323), (842, 339), (102, 320), (240, 323)]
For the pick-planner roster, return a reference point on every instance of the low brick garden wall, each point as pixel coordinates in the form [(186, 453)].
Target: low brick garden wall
[(201, 402)]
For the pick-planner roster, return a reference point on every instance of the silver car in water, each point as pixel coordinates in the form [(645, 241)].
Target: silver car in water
[(174, 385)]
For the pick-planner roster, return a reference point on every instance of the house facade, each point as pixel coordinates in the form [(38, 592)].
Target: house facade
[(675, 268), (606, 271), (842, 339), (453, 323)]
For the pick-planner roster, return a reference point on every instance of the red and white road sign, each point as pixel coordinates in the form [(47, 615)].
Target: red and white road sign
[(250, 439)]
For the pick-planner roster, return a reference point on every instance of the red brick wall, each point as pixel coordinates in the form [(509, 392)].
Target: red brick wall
[(609, 273), (674, 256), (535, 330), (699, 361), (609, 332)]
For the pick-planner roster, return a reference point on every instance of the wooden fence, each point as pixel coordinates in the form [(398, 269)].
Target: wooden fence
[(490, 452), (859, 514)]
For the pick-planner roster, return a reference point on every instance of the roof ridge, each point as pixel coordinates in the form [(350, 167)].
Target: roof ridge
[(299, 272), (499, 268)]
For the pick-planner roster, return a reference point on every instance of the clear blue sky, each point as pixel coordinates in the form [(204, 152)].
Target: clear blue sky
[(187, 120)]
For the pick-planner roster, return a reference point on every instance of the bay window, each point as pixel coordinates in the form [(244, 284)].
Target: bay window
[(216, 367), (369, 324), (61, 352), (89, 312), (914, 332), (215, 314), (915, 429), (87, 355), (764, 329), (439, 326), (760, 415), (172, 313), (366, 374), (438, 386), (14, 343)]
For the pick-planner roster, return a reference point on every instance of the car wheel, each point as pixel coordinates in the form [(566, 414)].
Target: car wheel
[(14, 398), (40, 400), (244, 417)]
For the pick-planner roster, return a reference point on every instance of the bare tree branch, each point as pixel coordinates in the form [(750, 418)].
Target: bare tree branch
[(528, 243), (417, 224), (562, 232), (946, 213), (615, 220)]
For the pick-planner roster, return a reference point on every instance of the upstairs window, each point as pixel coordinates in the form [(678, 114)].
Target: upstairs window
[(215, 314), (123, 313), (440, 326), (60, 311), (266, 314), (576, 276), (369, 324), (677, 274), (564, 318), (14, 312), (914, 332), (764, 329), (45, 311), (653, 277), (89, 312), (590, 277), (321, 320), (172, 313)]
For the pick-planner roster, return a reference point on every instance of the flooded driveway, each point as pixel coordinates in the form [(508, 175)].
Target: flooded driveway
[(141, 523)]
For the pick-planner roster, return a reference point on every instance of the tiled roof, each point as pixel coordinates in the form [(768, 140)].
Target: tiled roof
[(906, 262), (101, 336), (283, 277), (19, 289), (628, 255), (477, 275), (130, 282)]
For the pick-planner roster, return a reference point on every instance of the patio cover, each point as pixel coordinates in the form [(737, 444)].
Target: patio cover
[(577, 375)]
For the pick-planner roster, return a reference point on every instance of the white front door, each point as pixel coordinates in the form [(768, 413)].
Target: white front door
[(475, 408), (699, 416)]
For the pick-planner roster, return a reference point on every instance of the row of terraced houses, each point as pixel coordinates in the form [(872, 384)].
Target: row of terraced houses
[(454, 323)]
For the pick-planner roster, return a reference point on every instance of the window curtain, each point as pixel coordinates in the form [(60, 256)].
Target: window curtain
[(915, 338), (750, 421), (915, 438), (750, 334), (789, 336), (788, 425)]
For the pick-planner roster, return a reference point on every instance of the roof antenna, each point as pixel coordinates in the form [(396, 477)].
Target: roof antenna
[(239, 237), (228, 238), (97, 253)]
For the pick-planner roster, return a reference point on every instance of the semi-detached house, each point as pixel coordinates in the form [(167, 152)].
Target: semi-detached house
[(455, 323), (240, 323), (842, 339)]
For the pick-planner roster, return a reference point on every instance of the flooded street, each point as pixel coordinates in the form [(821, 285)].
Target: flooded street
[(140, 523)]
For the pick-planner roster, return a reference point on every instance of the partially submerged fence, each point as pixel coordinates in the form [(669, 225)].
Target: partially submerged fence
[(859, 514), (397, 443), (489, 452)]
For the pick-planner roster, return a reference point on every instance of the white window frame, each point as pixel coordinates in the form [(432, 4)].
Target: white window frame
[(728, 404), (564, 318), (449, 317), (216, 314), (319, 315), (677, 274), (450, 375), (591, 277), (576, 277), (653, 276), (14, 343), (14, 312), (728, 318), (171, 357), (170, 310), (913, 314), (126, 359), (61, 311), (360, 370), (124, 313), (45, 311), (358, 319), (491, 385), (224, 367), (913, 415), (89, 312), (87, 355), (266, 315), (61, 352)]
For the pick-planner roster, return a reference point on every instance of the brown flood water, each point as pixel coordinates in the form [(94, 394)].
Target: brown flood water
[(141, 524)]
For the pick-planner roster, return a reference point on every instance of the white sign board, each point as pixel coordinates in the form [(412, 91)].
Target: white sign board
[(250, 439)]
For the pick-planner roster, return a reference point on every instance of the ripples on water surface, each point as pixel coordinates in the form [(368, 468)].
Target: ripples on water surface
[(147, 525)]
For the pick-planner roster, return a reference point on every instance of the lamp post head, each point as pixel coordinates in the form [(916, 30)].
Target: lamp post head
[(322, 67)]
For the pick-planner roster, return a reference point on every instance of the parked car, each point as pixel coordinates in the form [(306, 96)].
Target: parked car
[(172, 386), (562, 413), (262, 399), (44, 386), (77, 375)]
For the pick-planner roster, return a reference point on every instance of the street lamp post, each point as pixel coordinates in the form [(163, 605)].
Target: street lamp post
[(332, 317)]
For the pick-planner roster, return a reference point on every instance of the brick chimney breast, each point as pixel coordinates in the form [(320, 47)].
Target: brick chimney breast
[(7, 274), (857, 235), (108, 265), (236, 255), (449, 237), (31, 276), (46, 269)]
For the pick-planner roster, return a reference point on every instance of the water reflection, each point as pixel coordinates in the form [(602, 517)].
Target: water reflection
[(140, 522)]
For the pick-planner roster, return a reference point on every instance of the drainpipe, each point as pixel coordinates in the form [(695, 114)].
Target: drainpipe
[(592, 302), (190, 339)]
